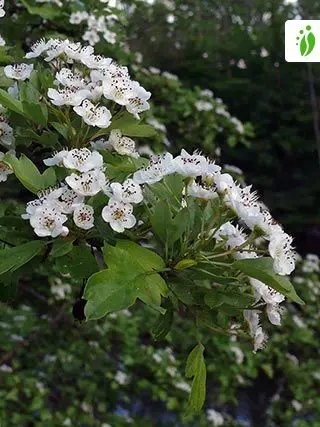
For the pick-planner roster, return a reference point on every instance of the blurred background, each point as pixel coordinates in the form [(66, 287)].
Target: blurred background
[(219, 84)]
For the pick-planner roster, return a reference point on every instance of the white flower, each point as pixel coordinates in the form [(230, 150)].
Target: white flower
[(122, 144), (56, 159), (116, 84), (170, 76), (77, 52), (4, 367), (49, 197), (203, 106), (2, 41), (94, 115), (68, 96), (14, 90), (159, 166), (5, 170), (83, 216), (118, 215), (100, 145), (68, 200), (242, 64), (6, 134), (215, 418), (78, 17), (182, 385), (263, 52), (274, 314), (238, 353), (2, 12), (110, 36), (96, 61), (47, 220), (121, 377), (55, 48), (207, 93), (91, 36), (83, 160), (87, 183), (259, 337), (224, 182), (204, 189), (190, 165), (281, 250), (69, 79), (137, 100), (238, 124), (128, 192), (37, 49), (18, 71)]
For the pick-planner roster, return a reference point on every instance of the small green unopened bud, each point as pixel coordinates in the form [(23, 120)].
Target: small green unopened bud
[(185, 263)]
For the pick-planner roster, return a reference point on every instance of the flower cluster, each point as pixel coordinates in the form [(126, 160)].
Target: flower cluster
[(48, 213), (101, 80), (2, 13), (96, 26)]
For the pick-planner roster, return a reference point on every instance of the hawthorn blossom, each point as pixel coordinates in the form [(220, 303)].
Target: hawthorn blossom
[(159, 166), (56, 159), (68, 200), (5, 170), (137, 100), (82, 159), (128, 192), (87, 183), (48, 220), (94, 115), (215, 418), (190, 165), (204, 188), (83, 216), (78, 17), (122, 144), (281, 250), (96, 61), (77, 52), (256, 332), (2, 11), (47, 197), (69, 79), (118, 215), (203, 106), (37, 49), (55, 48), (2, 41), (18, 71), (68, 96), (6, 134)]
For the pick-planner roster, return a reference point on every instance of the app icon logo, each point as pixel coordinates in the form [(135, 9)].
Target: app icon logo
[(302, 40), (306, 39)]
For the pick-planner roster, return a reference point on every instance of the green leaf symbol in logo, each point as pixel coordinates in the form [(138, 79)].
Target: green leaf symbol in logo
[(307, 41)]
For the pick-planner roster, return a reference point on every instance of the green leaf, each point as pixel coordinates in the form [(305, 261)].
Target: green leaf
[(37, 112), (217, 297), (28, 174), (27, 91), (62, 129), (262, 269), (11, 103), (163, 324), (46, 12), (196, 368), (169, 228), (142, 131), (13, 258), (131, 274), (61, 247), (79, 263)]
